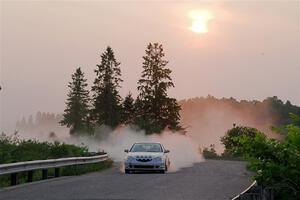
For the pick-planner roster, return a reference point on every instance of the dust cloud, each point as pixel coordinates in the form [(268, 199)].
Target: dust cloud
[(205, 120), (184, 151)]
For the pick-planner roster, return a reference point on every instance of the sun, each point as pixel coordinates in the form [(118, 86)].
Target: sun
[(199, 27), (200, 19)]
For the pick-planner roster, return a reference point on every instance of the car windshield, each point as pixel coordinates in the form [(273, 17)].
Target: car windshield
[(146, 147)]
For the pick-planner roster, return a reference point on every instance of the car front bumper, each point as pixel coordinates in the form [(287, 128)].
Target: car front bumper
[(144, 166)]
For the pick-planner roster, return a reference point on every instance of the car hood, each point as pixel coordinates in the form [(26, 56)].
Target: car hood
[(145, 154)]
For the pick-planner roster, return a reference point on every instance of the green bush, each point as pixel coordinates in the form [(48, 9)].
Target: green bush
[(276, 163), (231, 145), (210, 153), (13, 149)]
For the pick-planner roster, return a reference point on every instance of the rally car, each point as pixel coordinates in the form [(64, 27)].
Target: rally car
[(147, 157)]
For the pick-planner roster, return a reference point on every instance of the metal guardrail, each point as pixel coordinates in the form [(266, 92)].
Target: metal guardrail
[(51, 163), (239, 196), (44, 165), (256, 192)]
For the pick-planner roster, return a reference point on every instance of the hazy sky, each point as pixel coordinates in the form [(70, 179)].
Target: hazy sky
[(251, 49)]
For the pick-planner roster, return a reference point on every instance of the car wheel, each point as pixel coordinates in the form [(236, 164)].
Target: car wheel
[(162, 171), (127, 171)]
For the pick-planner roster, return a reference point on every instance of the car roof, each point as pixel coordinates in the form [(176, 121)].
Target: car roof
[(147, 143)]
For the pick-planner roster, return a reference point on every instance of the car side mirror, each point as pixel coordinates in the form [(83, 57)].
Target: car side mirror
[(126, 150), (166, 151)]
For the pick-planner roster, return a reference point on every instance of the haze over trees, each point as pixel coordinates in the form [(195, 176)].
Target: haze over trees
[(270, 111), (205, 118), (40, 122)]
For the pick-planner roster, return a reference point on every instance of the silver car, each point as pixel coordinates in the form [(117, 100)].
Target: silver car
[(147, 157)]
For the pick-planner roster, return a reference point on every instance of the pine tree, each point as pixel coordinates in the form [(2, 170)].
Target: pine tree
[(38, 118), (30, 123), (23, 123), (128, 110), (155, 110), (106, 99), (76, 114)]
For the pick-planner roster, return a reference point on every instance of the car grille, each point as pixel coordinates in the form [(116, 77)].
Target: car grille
[(143, 159), (143, 166)]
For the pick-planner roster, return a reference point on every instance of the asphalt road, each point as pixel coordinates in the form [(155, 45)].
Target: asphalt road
[(209, 180)]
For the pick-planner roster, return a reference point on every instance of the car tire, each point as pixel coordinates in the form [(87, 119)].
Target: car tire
[(162, 171), (127, 171)]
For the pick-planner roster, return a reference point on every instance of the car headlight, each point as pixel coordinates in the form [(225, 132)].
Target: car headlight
[(157, 159), (130, 158)]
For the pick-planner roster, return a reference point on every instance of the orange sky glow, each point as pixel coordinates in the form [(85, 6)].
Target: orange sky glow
[(240, 49)]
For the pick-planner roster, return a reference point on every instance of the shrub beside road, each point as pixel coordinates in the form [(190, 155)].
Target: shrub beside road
[(13, 149)]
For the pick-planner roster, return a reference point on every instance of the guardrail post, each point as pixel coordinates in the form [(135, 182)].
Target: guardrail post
[(44, 174), (56, 172), (13, 179), (29, 176)]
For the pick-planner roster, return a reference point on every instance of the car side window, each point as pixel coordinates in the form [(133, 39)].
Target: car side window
[(163, 148)]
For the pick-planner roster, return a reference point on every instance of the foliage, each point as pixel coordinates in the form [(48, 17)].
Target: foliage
[(76, 114), (156, 111), (282, 110), (276, 163), (13, 149), (210, 153), (106, 99), (128, 110), (231, 145), (153, 110)]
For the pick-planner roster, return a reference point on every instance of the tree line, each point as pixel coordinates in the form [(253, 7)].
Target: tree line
[(40, 119), (260, 110), (153, 110), (270, 111)]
